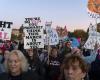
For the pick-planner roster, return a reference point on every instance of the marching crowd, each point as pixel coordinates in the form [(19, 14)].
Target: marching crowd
[(62, 62)]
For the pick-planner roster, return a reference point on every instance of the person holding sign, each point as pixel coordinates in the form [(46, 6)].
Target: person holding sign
[(16, 67)]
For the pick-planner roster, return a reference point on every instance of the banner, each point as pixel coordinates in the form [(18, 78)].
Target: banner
[(5, 30)]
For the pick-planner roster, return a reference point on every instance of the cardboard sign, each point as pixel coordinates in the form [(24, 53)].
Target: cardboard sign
[(33, 37), (5, 30), (52, 37)]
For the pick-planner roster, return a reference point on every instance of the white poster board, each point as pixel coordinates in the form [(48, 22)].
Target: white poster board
[(52, 37), (33, 37), (5, 30)]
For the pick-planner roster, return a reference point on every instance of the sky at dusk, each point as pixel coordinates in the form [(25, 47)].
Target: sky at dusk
[(72, 13)]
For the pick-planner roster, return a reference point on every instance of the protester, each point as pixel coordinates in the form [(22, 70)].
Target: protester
[(43, 56), (8, 45), (2, 69), (73, 68), (16, 68), (6, 53), (66, 49), (21, 46), (35, 64), (53, 65)]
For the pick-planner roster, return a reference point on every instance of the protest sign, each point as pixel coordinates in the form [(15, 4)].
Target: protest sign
[(5, 30), (94, 38), (53, 37), (33, 35)]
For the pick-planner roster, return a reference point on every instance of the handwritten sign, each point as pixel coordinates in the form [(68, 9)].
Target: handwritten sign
[(5, 30)]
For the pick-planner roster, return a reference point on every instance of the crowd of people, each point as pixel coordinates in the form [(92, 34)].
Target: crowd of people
[(62, 62)]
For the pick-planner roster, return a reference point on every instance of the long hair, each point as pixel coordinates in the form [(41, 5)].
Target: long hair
[(34, 57), (24, 63)]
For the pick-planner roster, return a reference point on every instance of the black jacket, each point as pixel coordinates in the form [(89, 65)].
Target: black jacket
[(53, 68), (37, 67), (24, 76), (94, 72)]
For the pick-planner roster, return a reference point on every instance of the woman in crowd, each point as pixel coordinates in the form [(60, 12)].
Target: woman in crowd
[(6, 53), (35, 64), (53, 65), (16, 67), (65, 49), (73, 68)]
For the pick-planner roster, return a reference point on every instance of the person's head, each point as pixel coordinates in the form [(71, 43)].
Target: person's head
[(6, 54), (60, 45), (31, 52), (74, 67), (68, 44), (54, 51), (16, 63)]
